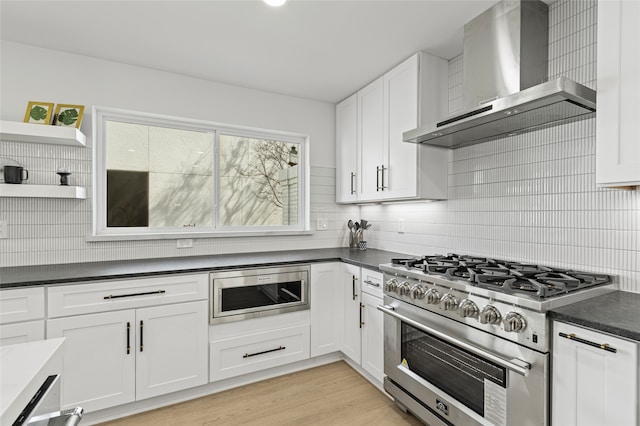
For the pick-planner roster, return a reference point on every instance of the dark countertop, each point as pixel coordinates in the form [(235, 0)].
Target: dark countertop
[(616, 313), (22, 276)]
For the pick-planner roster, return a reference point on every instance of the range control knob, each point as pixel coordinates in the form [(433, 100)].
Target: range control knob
[(417, 292), (403, 288), (448, 302), (514, 322), (490, 315), (468, 308), (391, 285), (433, 296)]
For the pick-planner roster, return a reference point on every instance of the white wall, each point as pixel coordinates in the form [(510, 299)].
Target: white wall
[(530, 197), (47, 231)]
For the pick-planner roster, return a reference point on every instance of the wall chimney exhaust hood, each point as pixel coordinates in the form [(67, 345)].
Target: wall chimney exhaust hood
[(505, 91)]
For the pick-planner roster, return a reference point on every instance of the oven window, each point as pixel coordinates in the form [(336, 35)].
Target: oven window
[(459, 373), (261, 295)]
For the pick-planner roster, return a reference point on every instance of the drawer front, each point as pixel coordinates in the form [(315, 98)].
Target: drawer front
[(372, 282), (21, 304), (254, 352), (21, 332), (125, 294)]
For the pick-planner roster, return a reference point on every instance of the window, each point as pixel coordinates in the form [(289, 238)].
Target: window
[(160, 176)]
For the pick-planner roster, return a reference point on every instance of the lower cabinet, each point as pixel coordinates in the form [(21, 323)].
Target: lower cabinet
[(21, 332), (248, 353), (112, 358), (591, 385), (327, 311), (372, 336), (363, 339), (21, 315)]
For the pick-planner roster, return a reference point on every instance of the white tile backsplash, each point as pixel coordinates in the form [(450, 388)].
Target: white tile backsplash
[(530, 197)]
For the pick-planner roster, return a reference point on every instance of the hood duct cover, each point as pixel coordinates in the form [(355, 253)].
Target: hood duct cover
[(504, 88)]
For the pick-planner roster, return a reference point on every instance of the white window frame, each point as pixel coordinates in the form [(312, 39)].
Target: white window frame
[(103, 233)]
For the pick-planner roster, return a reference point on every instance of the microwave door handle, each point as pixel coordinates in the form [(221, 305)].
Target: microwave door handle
[(515, 365)]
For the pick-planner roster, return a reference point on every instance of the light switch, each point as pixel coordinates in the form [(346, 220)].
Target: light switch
[(322, 224), (401, 225), (184, 243)]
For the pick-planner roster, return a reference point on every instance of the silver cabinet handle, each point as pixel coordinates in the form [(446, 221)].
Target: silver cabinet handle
[(515, 365), (353, 176), (371, 283), (377, 178), (603, 346), (382, 169), (353, 286)]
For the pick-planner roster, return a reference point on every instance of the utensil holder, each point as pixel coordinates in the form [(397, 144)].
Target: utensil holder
[(354, 239), (363, 245)]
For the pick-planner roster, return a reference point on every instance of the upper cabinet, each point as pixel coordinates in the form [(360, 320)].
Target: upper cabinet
[(346, 151), (371, 123), (618, 116)]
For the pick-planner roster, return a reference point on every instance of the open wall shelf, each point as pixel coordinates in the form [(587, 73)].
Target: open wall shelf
[(42, 191), (39, 133)]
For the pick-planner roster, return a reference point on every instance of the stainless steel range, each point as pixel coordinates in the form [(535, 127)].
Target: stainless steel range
[(467, 339)]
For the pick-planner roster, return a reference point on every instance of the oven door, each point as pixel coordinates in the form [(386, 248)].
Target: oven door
[(451, 373), (247, 294)]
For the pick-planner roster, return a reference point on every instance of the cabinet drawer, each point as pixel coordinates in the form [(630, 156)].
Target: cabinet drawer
[(21, 332), (125, 294), (254, 352), (21, 304), (372, 282)]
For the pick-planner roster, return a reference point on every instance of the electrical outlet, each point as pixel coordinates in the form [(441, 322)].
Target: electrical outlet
[(322, 224), (184, 243), (3, 229), (401, 225)]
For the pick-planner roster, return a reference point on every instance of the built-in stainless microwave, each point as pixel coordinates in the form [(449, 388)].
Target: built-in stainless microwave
[(250, 293)]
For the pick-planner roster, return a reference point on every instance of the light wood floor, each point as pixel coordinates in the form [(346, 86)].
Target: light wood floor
[(333, 394)]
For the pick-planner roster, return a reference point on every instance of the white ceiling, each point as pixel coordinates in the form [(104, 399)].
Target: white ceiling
[(323, 49)]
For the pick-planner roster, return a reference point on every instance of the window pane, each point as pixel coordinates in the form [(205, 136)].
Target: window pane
[(158, 177), (258, 182)]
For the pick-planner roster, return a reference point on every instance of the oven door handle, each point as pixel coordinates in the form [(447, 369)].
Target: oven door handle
[(515, 365)]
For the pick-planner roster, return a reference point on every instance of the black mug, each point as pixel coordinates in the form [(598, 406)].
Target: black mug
[(15, 174)]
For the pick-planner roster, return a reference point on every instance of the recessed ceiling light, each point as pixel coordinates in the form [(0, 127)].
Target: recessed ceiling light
[(275, 2)]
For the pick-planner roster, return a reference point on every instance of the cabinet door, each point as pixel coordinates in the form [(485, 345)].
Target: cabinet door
[(401, 113), (372, 336), (370, 138), (21, 332), (592, 386), (171, 348), (351, 336), (346, 150), (98, 365), (617, 147), (327, 309)]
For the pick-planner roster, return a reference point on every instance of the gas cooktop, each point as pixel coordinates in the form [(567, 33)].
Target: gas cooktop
[(533, 281)]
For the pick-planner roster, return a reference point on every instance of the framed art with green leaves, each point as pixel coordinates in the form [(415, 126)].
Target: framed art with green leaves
[(68, 115), (38, 112)]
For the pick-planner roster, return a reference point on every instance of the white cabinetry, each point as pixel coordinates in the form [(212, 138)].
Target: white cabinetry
[(411, 94), (351, 336), (140, 344), (618, 123), (593, 386), (346, 150), (21, 315), (363, 331), (371, 140), (327, 311)]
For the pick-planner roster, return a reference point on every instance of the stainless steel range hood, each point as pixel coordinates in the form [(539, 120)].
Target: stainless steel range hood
[(504, 81)]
